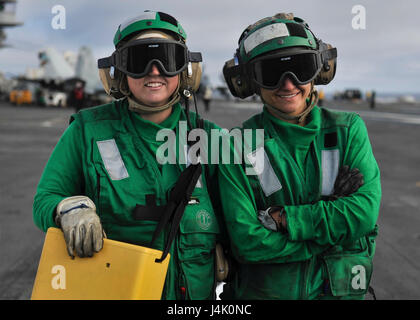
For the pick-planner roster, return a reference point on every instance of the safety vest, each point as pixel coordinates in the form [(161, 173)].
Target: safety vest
[(313, 267), (120, 174)]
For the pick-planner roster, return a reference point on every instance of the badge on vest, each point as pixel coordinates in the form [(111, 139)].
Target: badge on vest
[(203, 219), (112, 160)]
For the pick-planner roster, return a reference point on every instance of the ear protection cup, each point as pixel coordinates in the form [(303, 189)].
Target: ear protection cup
[(111, 85), (237, 80), (191, 77), (329, 64)]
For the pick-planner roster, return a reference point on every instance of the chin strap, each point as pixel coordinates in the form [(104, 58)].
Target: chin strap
[(140, 108), (136, 106), (300, 117)]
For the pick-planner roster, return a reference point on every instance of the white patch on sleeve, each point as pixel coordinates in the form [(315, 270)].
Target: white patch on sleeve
[(112, 160), (264, 34), (262, 166), (330, 163)]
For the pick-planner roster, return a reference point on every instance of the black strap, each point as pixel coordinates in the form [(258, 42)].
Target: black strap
[(178, 200), (195, 56), (148, 212), (330, 140), (329, 54)]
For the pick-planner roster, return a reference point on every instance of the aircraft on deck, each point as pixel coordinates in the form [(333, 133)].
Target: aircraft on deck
[(60, 73)]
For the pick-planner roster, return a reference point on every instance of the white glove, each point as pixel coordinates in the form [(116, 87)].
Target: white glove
[(267, 220), (81, 226)]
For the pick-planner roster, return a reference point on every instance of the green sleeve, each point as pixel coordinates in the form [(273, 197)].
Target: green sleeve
[(349, 218), (62, 177), (250, 241)]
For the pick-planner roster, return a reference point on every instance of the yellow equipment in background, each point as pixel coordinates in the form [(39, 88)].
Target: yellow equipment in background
[(119, 271), (20, 96)]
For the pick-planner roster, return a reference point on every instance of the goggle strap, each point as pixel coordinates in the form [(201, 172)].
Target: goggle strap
[(104, 63), (108, 61), (195, 56), (329, 54)]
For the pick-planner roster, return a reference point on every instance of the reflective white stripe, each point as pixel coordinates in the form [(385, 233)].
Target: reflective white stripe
[(262, 166), (330, 163), (264, 34), (143, 16), (112, 159)]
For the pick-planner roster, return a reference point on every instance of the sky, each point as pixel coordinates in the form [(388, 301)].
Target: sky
[(382, 55)]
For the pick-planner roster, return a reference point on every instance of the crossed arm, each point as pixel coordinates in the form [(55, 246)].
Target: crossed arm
[(311, 228)]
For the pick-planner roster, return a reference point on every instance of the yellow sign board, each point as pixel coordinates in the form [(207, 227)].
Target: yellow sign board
[(120, 271)]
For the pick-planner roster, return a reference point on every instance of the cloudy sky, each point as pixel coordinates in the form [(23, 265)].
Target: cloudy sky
[(384, 56)]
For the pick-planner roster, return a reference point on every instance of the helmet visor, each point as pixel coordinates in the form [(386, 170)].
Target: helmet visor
[(269, 71), (137, 57)]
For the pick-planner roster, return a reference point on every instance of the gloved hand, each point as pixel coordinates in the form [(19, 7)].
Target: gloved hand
[(347, 182), (81, 226), (267, 220)]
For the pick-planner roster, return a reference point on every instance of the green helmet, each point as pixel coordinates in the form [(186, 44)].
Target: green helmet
[(281, 34), (113, 69), (274, 33), (149, 20)]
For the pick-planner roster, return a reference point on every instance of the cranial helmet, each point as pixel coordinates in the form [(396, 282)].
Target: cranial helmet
[(114, 69), (274, 47)]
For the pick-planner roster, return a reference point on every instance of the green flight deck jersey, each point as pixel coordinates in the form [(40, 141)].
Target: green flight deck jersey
[(108, 153), (328, 248)]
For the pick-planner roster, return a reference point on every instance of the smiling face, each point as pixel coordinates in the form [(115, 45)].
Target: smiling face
[(154, 89), (288, 98)]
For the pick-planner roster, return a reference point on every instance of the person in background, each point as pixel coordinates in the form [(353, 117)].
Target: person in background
[(78, 96), (372, 100), (207, 98)]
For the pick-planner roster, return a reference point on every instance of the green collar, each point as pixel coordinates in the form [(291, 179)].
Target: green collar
[(148, 129), (293, 133)]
